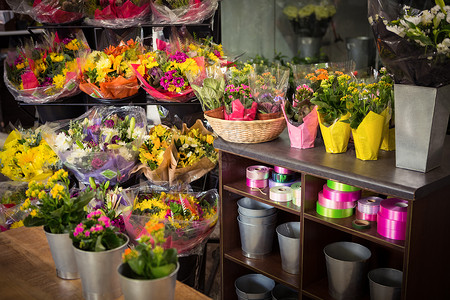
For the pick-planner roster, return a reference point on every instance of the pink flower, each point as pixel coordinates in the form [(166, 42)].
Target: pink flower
[(29, 80), (78, 230), (94, 214), (105, 220), (97, 163), (87, 233)]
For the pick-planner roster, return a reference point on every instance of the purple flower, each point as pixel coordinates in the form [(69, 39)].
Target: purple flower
[(179, 57), (216, 53), (97, 163), (65, 41), (109, 123), (178, 81), (115, 139), (18, 60), (164, 82), (47, 81)]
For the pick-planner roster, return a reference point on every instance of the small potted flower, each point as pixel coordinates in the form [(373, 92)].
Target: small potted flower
[(58, 209), (98, 247), (148, 270)]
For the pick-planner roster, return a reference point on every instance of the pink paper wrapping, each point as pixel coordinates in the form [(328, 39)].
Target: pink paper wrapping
[(303, 136)]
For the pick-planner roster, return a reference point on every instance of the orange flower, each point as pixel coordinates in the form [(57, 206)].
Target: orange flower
[(152, 226)]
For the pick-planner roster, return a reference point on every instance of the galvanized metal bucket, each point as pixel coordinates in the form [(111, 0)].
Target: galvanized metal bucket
[(289, 241), (253, 208), (362, 51), (385, 284), (256, 240), (270, 219), (308, 47), (254, 286), (63, 256), (421, 120), (347, 270), (147, 289), (98, 272)]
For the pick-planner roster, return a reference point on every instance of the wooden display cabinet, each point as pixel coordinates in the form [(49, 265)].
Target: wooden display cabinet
[(422, 256)]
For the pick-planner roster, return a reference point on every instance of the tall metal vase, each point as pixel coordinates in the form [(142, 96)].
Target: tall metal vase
[(98, 272), (63, 256), (421, 120), (309, 47)]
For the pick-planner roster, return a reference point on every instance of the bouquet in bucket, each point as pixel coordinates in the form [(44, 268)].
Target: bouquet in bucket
[(108, 75), (13, 194), (26, 156), (49, 11), (117, 13), (182, 11), (103, 143), (45, 72), (212, 52), (188, 218), (413, 44)]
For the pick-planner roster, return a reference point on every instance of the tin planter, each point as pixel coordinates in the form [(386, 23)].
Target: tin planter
[(421, 119), (63, 256)]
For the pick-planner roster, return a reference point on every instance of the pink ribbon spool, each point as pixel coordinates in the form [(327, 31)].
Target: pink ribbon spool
[(340, 196), (282, 170), (334, 204), (260, 184), (257, 172), (395, 230), (363, 216), (394, 209)]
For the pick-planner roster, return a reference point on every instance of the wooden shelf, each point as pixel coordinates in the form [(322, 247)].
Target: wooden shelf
[(269, 266), (319, 290)]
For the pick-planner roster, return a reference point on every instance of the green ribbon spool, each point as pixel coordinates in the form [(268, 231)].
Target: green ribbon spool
[(282, 178), (360, 224), (337, 186), (333, 213)]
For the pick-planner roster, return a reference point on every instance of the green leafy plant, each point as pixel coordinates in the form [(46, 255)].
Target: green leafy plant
[(301, 105), (211, 93)]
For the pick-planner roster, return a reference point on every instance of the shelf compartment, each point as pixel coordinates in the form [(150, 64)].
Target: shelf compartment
[(269, 266), (345, 224), (240, 187), (319, 290)]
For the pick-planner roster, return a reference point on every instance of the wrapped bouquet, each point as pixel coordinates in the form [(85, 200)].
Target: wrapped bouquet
[(182, 11), (103, 143)]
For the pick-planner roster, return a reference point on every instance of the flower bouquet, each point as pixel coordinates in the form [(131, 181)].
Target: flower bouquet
[(26, 156), (163, 74), (212, 52), (49, 11), (182, 11), (268, 86), (332, 110), (117, 13), (188, 218), (13, 194), (107, 74), (310, 18), (46, 72), (301, 118), (368, 106), (103, 143)]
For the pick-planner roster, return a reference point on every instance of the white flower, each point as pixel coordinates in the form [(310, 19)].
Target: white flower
[(426, 18), (62, 142), (439, 17), (127, 155), (444, 47), (138, 133), (77, 154), (435, 9), (413, 19), (398, 30)]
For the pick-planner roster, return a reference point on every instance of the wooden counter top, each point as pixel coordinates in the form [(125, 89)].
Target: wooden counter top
[(27, 270)]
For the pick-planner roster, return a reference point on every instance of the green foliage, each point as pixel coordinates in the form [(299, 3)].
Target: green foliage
[(211, 93)]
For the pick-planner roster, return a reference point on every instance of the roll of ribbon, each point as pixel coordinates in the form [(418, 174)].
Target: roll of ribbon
[(277, 177), (364, 216), (282, 170), (327, 203), (257, 172), (337, 186), (391, 234), (360, 224), (280, 194), (369, 205), (333, 213), (394, 209), (340, 196), (274, 183), (297, 193), (391, 229), (257, 183)]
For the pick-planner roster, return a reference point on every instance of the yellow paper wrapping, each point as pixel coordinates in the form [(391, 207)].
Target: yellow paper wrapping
[(388, 142), (336, 136), (368, 135)]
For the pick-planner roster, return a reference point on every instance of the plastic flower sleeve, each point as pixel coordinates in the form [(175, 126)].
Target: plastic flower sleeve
[(412, 43), (117, 14), (195, 12), (103, 143), (189, 217), (49, 11)]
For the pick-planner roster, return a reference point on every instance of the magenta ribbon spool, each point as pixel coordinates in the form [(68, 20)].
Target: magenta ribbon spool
[(394, 209), (282, 170), (340, 196), (260, 184), (328, 203), (257, 172), (392, 229), (369, 205), (364, 216)]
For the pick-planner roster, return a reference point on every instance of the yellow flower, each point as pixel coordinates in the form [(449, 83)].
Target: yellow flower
[(209, 139), (73, 45), (16, 224), (33, 213), (56, 191), (59, 81), (20, 66), (55, 57)]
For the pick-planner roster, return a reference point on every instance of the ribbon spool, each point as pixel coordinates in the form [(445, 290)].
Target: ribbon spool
[(337, 186), (260, 184), (360, 224), (327, 203), (257, 172), (281, 170), (274, 183), (392, 229), (297, 193), (280, 194), (369, 205), (364, 216), (394, 209), (333, 213), (340, 196), (277, 177)]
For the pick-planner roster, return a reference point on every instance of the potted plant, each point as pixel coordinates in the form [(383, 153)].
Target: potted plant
[(149, 271), (98, 249), (58, 209)]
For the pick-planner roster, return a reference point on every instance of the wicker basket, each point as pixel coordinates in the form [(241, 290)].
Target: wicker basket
[(248, 132)]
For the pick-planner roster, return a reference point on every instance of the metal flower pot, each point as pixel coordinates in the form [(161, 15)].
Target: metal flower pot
[(63, 256)]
